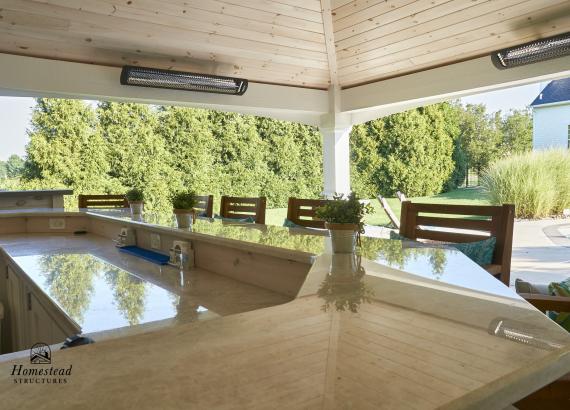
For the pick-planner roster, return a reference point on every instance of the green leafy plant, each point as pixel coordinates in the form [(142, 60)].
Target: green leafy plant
[(343, 210), (184, 200), (135, 195)]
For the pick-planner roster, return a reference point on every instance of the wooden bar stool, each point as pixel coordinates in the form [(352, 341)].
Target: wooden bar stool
[(102, 201), (302, 212), (498, 222), (240, 208), (205, 205)]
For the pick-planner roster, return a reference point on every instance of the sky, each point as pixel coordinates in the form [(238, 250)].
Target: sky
[(15, 113)]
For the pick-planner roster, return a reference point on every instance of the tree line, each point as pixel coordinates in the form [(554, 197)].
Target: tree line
[(430, 149), (111, 147)]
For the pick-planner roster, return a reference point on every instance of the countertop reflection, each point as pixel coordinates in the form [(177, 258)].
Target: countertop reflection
[(101, 289), (97, 295), (432, 262)]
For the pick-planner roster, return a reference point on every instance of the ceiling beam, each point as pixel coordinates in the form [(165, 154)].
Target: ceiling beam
[(326, 10), (37, 77)]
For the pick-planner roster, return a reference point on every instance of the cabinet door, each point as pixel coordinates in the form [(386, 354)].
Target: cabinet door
[(40, 325), (15, 309)]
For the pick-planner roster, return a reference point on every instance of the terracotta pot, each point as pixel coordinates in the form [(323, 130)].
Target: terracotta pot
[(343, 237), (185, 217), (136, 207)]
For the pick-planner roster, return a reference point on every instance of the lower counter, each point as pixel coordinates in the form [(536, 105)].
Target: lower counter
[(85, 285)]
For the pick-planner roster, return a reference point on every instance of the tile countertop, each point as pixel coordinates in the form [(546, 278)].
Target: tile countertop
[(101, 289), (359, 334)]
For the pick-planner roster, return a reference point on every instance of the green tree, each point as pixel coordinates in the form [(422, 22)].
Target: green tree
[(480, 136), (191, 147), (240, 155), (137, 155), (365, 160), (516, 130), (291, 169), (65, 150), (14, 166), (452, 113), (414, 152)]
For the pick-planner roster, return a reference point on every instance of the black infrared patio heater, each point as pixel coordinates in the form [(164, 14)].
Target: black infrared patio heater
[(533, 52), (179, 80)]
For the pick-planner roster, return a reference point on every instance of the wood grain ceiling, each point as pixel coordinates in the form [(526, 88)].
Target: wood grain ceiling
[(306, 43)]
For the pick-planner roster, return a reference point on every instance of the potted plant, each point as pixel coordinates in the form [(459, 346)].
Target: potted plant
[(135, 197), (343, 218), (183, 204)]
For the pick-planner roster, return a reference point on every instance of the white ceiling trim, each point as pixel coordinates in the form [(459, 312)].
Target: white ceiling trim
[(36, 77), (39, 77), (453, 81)]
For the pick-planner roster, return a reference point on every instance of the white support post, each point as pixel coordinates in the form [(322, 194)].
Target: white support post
[(335, 128), (336, 160)]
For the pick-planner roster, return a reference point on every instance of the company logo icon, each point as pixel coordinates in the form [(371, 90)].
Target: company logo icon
[(40, 353)]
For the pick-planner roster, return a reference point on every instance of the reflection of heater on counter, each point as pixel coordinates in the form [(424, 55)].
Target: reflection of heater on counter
[(522, 333), (127, 237)]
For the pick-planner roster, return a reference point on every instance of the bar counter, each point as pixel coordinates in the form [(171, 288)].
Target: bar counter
[(395, 326)]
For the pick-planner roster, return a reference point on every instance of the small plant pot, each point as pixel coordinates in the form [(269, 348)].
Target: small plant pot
[(343, 237), (185, 217), (136, 207)]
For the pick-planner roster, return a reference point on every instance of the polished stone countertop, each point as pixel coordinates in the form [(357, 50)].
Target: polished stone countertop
[(359, 335), (439, 263), (395, 327), (101, 289)]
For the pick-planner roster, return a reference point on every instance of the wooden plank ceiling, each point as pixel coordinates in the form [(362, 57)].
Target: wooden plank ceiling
[(305, 43)]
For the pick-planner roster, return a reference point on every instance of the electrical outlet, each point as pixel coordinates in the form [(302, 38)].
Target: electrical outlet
[(154, 241), (56, 223)]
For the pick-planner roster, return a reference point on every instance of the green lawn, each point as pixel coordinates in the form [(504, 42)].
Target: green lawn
[(462, 196)]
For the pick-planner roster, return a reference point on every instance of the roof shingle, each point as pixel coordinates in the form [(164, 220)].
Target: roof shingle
[(555, 91)]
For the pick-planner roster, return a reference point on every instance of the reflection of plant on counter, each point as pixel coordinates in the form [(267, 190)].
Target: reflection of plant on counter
[(129, 292), (344, 220), (344, 287), (70, 281)]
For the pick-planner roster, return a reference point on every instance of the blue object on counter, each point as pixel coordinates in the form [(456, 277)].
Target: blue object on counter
[(145, 254)]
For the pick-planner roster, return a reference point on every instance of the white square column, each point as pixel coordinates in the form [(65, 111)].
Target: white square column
[(336, 160)]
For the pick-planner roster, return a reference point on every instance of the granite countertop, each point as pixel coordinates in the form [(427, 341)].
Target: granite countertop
[(101, 289)]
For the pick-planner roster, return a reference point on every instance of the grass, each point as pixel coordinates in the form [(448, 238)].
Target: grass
[(462, 196)]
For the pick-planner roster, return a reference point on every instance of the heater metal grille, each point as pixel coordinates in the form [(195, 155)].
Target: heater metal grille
[(535, 51), (178, 80)]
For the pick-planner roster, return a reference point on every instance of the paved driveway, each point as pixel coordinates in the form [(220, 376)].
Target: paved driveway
[(541, 250)]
